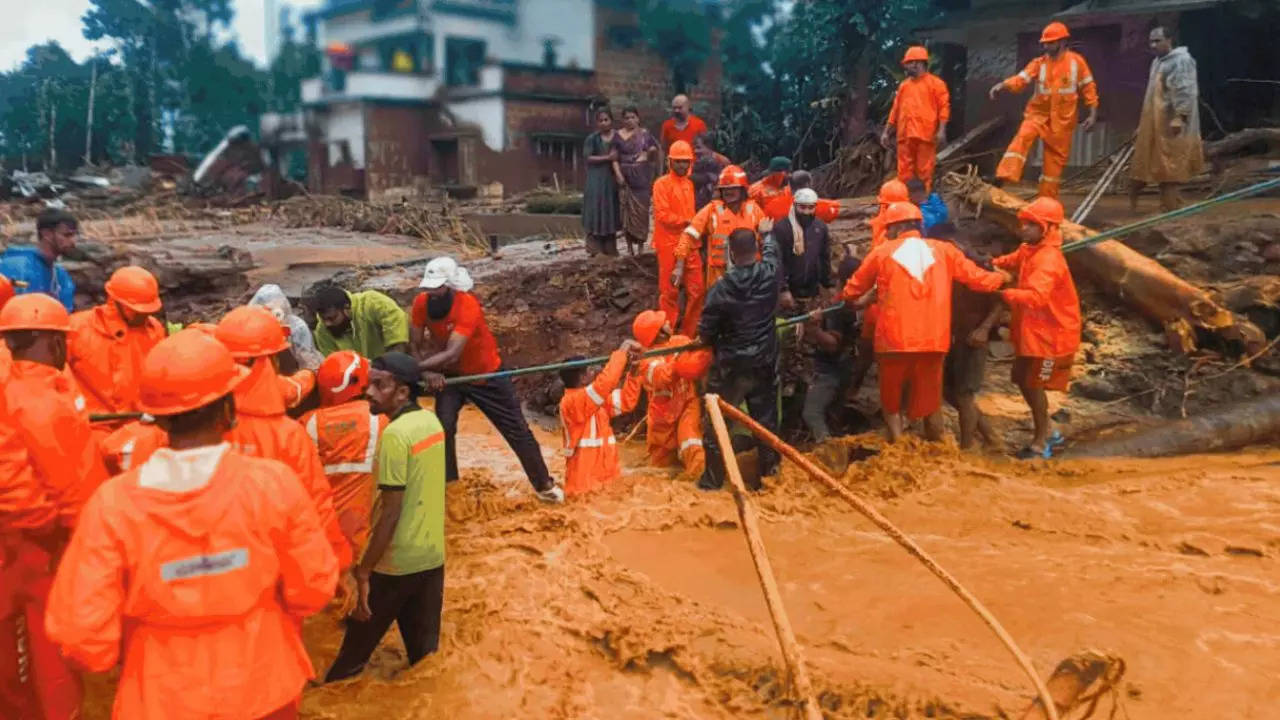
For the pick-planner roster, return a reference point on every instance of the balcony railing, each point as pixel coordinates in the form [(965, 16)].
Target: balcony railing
[(371, 85)]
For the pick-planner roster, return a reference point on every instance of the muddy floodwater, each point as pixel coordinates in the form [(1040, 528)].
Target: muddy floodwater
[(641, 601)]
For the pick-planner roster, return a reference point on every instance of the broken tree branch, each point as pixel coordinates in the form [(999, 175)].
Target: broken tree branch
[(1240, 140), (1180, 307)]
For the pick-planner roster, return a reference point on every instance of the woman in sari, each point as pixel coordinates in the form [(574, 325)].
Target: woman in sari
[(600, 196), (633, 166)]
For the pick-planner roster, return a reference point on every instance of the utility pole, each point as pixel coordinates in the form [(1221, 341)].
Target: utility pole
[(88, 123)]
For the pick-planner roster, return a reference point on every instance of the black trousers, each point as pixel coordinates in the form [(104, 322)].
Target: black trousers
[(412, 601), (497, 400), (758, 386)]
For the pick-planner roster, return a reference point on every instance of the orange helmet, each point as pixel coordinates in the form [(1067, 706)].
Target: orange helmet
[(6, 290), (902, 212), (1054, 31), (893, 191), (916, 52), (135, 288), (693, 364), (185, 372), (342, 376), (34, 311), (251, 331), (647, 325), (680, 150), (1043, 210), (733, 176)]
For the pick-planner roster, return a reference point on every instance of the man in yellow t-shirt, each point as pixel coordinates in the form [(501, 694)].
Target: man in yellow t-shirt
[(401, 576), (367, 322)]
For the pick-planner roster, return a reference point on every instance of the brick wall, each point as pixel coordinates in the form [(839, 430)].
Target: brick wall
[(395, 146), (638, 76)]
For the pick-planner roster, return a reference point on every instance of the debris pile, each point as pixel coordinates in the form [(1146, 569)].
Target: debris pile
[(430, 223)]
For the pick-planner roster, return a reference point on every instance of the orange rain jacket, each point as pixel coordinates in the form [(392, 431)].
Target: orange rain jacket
[(590, 449), (1059, 84), (915, 314), (48, 411), (674, 415), (131, 445), (296, 387), (716, 222), (771, 195), (346, 436), (105, 357), (263, 430), (202, 592), (1044, 306), (673, 208), (921, 105)]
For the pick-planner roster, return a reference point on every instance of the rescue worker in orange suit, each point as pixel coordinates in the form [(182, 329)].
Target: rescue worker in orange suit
[(590, 449), (713, 225), (864, 355), (1045, 313), (674, 417), (921, 109), (50, 467), (262, 428), (6, 294), (346, 433), (912, 277), (107, 343), (773, 191), (194, 570), (827, 210), (1059, 79), (673, 208)]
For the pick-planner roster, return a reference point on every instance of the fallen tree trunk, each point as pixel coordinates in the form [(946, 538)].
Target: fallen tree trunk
[(1241, 140), (1181, 308), (1226, 428)]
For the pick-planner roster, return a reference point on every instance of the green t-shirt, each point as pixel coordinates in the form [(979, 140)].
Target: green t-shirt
[(376, 322), (411, 456)]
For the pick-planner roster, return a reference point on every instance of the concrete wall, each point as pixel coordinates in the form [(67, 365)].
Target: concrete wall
[(488, 113), (567, 22), (345, 121)]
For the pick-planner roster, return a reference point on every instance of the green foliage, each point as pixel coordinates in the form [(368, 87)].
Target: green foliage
[(680, 32), (170, 85), (798, 75)]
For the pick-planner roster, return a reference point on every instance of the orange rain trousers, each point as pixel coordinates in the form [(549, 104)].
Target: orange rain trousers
[(199, 594), (673, 208), (590, 449), (916, 159), (674, 418)]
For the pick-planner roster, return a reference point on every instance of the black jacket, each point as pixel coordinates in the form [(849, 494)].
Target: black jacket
[(738, 317), (804, 274)]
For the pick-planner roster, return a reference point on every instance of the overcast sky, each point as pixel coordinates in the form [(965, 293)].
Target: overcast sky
[(40, 20)]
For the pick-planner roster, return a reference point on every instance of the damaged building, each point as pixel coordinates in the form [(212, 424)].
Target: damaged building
[(980, 42), (467, 93)]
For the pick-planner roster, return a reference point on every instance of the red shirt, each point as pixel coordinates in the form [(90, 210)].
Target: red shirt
[(692, 129), (466, 318)]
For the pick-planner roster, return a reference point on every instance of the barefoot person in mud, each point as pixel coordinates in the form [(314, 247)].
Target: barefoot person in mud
[(401, 575), (912, 277), (1046, 318), (451, 337)]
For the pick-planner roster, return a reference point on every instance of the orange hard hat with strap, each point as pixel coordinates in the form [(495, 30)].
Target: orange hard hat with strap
[(34, 311), (647, 325), (135, 288), (251, 331), (902, 212), (1054, 31), (680, 150), (1044, 211), (733, 176), (914, 53), (693, 364), (342, 376), (185, 372), (6, 290), (893, 191)]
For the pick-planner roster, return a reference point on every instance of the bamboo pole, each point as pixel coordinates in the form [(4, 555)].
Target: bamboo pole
[(791, 652), (907, 543)]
